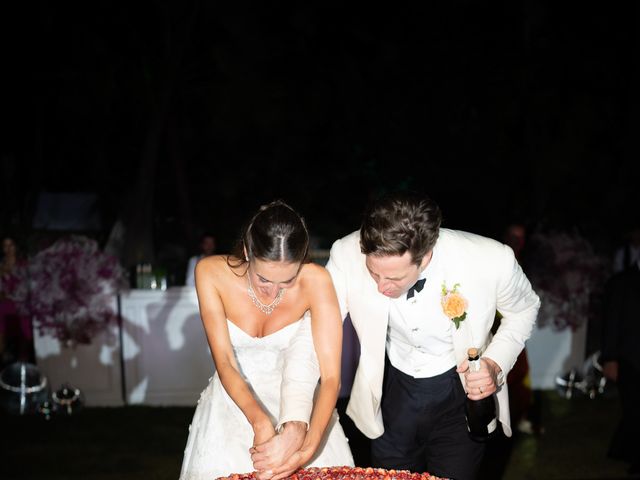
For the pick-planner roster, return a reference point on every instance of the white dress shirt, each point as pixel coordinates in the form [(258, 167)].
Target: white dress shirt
[(190, 279), (416, 344)]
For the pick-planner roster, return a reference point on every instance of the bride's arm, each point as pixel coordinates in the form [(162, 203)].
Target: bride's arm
[(215, 324), (326, 327)]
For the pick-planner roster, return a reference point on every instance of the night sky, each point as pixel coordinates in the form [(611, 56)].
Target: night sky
[(185, 116)]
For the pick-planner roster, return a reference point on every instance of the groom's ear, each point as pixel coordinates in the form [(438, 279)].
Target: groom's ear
[(426, 259)]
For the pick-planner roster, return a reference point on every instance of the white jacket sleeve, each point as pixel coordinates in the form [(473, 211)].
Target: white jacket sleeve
[(518, 304), (300, 377), (336, 267), (301, 370), (190, 279)]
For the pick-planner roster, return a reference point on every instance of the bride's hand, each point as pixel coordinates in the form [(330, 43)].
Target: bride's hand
[(281, 453)]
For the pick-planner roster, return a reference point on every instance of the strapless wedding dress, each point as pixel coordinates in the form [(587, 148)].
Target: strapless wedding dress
[(220, 435)]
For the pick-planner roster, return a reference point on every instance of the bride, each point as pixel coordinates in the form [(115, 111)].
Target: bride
[(254, 305)]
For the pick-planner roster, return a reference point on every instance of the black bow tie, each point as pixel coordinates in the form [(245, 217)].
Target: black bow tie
[(416, 288)]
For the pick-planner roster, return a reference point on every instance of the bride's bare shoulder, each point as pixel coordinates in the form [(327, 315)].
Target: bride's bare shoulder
[(312, 273)]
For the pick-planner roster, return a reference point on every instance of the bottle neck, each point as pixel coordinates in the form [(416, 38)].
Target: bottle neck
[(474, 363)]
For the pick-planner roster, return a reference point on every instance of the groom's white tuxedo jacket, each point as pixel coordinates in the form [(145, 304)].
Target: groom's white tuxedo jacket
[(489, 277)]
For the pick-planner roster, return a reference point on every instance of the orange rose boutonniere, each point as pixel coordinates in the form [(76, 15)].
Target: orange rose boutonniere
[(454, 305)]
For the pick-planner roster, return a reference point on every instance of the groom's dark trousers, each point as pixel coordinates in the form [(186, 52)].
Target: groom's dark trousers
[(425, 427)]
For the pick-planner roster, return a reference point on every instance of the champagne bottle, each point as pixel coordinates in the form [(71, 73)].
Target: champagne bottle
[(481, 414)]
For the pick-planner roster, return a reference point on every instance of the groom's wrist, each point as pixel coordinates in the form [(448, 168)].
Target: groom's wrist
[(293, 433), (295, 426)]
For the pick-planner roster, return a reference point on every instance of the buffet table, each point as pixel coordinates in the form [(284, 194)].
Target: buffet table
[(552, 353), (157, 355)]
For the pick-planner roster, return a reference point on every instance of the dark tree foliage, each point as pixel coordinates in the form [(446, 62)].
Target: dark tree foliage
[(185, 116)]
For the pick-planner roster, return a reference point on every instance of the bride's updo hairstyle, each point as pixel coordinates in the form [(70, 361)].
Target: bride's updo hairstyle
[(275, 233)]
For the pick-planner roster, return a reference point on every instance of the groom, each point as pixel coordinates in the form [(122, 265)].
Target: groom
[(395, 277)]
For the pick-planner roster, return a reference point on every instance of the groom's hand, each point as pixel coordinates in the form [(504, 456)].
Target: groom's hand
[(297, 460), (279, 454), (482, 383)]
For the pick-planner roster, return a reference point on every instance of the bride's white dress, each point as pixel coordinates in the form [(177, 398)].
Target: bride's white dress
[(220, 436)]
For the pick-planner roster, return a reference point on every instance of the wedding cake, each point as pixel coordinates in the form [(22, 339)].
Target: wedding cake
[(344, 473)]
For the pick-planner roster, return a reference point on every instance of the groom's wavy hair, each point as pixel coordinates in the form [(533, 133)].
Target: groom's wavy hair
[(275, 233), (400, 222)]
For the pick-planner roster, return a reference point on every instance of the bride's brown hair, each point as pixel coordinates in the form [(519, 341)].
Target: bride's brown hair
[(275, 233)]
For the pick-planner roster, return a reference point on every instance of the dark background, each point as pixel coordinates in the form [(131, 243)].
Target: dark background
[(184, 116)]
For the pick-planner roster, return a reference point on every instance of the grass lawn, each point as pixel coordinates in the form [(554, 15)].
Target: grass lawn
[(98, 443), (146, 443), (574, 444)]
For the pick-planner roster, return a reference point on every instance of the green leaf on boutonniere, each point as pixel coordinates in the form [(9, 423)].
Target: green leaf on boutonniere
[(457, 320)]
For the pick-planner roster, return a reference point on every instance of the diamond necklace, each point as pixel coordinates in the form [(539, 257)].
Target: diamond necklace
[(266, 309)]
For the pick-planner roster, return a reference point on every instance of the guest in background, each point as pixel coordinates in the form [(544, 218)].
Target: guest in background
[(498, 451), (10, 255), (16, 334), (621, 364), (518, 379), (628, 254), (207, 247)]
